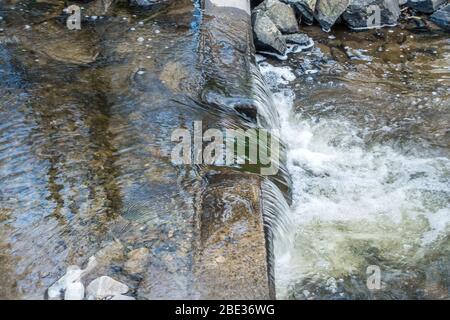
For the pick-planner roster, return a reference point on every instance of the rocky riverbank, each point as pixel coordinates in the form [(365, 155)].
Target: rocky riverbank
[(277, 24)]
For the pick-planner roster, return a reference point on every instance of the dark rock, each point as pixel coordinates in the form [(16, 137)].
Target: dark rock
[(266, 34), (298, 38), (426, 6), (364, 14), (328, 11), (282, 15), (305, 8), (442, 17)]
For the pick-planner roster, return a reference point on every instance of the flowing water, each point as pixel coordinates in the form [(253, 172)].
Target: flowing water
[(366, 120), (85, 167)]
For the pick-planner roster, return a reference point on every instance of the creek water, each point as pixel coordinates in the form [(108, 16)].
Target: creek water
[(366, 117), (85, 165)]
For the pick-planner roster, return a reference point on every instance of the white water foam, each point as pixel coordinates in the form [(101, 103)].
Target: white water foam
[(349, 197)]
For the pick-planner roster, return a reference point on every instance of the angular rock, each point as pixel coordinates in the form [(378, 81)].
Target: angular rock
[(305, 8), (328, 11), (366, 14), (137, 261), (266, 34), (426, 6), (281, 14), (104, 287), (298, 38), (442, 17)]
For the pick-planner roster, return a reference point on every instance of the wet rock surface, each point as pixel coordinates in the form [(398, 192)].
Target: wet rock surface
[(282, 15), (305, 8), (442, 17), (267, 37)]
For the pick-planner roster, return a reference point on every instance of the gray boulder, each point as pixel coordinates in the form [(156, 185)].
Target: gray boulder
[(426, 6), (305, 8), (366, 14), (298, 38), (266, 35), (281, 14), (442, 17), (328, 11)]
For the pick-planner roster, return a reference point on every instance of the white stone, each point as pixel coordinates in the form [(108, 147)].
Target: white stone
[(73, 274), (74, 291), (104, 287)]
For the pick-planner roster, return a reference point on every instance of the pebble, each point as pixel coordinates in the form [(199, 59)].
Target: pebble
[(27, 27), (157, 31), (132, 29), (141, 39)]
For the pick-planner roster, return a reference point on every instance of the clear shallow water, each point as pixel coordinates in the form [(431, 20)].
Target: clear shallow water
[(368, 154)]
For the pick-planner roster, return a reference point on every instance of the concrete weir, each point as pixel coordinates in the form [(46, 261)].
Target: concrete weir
[(232, 258)]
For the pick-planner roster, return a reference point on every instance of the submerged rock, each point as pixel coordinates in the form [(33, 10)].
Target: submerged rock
[(137, 260), (426, 6), (328, 11), (363, 14), (281, 14), (442, 17), (266, 34), (105, 287), (305, 8)]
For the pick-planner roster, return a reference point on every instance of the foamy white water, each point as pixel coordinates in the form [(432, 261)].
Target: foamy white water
[(354, 205)]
